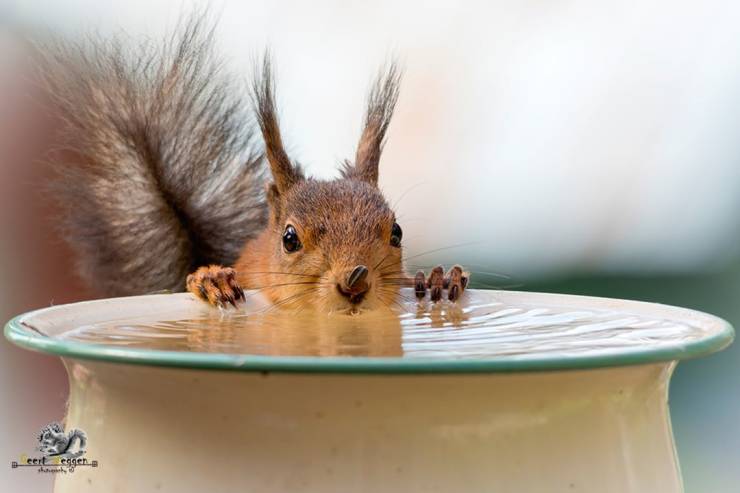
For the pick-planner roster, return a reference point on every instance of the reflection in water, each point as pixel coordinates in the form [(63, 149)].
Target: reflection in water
[(479, 327)]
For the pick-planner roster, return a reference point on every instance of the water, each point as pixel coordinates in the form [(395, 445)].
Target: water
[(480, 327)]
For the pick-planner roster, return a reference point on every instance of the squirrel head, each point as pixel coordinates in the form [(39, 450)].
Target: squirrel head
[(334, 244)]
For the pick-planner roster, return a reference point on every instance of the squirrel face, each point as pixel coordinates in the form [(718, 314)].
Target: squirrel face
[(343, 236), (334, 244)]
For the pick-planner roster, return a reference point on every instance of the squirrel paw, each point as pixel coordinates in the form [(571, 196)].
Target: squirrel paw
[(215, 284), (454, 282)]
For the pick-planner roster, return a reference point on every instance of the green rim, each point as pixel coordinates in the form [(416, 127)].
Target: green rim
[(23, 336)]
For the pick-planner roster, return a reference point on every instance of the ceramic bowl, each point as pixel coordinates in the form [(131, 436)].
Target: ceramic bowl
[(393, 417)]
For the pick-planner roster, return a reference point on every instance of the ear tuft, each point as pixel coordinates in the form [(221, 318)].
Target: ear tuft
[(272, 195), (381, 103), (284, 172)]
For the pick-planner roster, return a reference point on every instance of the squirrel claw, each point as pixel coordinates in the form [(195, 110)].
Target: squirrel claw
[(420, 285), (436, 283), (216, 285), (455, 282)]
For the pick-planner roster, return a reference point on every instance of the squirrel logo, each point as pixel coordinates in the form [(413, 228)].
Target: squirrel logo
[(53, 442)]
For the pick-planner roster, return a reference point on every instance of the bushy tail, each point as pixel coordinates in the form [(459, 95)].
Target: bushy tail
[(160, 172), (79, 437)]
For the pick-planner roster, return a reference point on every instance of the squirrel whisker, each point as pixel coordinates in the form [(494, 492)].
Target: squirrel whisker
[(283, 274), (323, 281), (298, 283), (381, 261), (479, 272), (289, 299), (393, 300), (394, 294), (405, 283), (459, 245), (279, 285), (405, 192)]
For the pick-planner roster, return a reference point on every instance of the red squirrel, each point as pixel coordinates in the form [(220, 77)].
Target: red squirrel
[(163, 184)]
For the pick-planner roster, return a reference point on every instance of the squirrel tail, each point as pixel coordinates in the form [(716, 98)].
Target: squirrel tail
[(160, 172), (76, 436)]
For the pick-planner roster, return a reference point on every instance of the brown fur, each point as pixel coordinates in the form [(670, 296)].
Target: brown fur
[(166, 182), (335, 238), (342, 224), (381, 104), (162, 172)]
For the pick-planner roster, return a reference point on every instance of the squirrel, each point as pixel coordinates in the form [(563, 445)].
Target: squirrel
[(163, 184), (53, 442)]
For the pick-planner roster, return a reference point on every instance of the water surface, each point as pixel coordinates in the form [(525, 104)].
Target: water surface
[(480, 327)]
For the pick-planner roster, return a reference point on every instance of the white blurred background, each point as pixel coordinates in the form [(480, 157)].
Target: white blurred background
[(552, 139)]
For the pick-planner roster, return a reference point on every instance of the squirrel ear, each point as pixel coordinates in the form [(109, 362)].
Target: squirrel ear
[(380, 106), (284, 172), (273, 199)]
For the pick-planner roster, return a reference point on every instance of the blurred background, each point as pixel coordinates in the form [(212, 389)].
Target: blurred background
[(575, 146)]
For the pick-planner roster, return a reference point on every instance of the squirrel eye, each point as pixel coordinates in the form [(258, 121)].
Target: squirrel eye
[(396, 235), (291, 243)]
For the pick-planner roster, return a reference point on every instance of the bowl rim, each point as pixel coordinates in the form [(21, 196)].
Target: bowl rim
[(21, 333)]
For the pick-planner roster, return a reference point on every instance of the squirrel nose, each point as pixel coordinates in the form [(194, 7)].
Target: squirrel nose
[(357, 275), (355, 286)]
